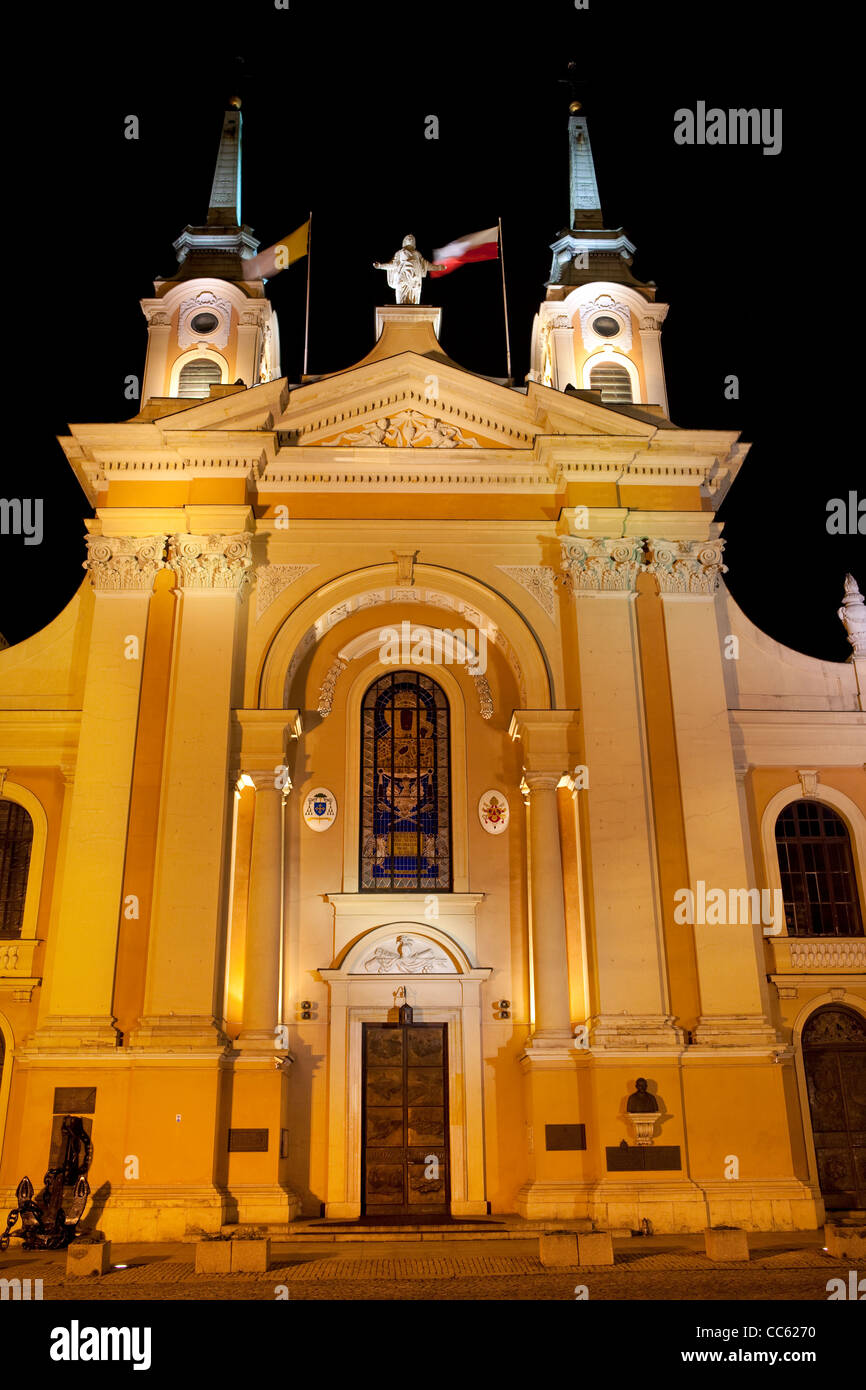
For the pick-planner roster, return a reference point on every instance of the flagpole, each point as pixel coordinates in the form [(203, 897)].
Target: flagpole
[(504, 303), (307, 314)]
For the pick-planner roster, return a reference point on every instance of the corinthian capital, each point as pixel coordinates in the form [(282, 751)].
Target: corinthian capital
[(124, 563), (210, 562), (605, 565), (686, 567)]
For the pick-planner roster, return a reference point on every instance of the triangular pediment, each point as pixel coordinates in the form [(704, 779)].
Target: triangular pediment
[(410, 402)]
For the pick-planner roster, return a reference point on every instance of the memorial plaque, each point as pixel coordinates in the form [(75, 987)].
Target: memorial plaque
[(664, 1158), (74, 1100), (248, 1141), (564, 1138)]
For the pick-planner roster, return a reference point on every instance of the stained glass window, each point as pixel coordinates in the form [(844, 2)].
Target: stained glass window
[(405, 786), (819, 887)]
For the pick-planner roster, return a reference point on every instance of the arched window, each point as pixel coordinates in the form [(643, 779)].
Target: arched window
[(613, 382), (197, 377), (405, 786), (819, 887), (16, 843)]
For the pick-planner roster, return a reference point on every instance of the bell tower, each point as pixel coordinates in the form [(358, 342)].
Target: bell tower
[(599, 328), (209, 327)]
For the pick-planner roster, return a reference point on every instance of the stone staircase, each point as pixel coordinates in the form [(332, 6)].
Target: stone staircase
[(319, 1229)]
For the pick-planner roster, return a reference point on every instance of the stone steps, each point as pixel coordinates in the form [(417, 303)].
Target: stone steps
[(316, 1231)]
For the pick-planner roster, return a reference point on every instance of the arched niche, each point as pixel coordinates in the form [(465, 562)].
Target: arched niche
[(467, 603)]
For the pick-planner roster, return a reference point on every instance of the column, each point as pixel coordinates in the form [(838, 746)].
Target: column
[(550, 1061), (262, 944), (548, 739), (651, 348), (261, 1062), (562, 334), (156, 364), (249, 338), (631, 1002), (730, 969), (77, 1001), (549, 953), (182, 997)]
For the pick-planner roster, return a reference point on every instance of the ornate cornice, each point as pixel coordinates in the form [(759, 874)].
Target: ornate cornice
[(124, 563), (605, 565), (686, 567), (211, 562)]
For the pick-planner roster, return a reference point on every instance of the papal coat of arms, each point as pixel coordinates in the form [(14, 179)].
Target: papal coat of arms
[(320, 809), (493, 812)]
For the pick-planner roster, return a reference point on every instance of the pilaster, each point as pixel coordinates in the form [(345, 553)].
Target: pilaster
[(182, 998), (77, 1009), (734, 1007), (630, 991)]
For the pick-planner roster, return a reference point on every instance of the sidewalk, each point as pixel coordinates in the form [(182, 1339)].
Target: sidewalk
[(782, 1266)]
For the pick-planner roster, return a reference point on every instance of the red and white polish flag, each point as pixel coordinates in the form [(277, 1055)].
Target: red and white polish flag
[(478, 246)]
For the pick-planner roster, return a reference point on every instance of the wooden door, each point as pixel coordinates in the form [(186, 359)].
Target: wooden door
[(404, 1164), (834, 1056)]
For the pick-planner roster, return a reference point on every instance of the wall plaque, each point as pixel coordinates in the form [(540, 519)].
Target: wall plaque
[(248, 1141), (564, 1137), (74, 1100), (659, 1159)]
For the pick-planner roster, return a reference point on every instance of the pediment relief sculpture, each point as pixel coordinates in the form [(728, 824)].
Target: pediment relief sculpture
[(407, 429)]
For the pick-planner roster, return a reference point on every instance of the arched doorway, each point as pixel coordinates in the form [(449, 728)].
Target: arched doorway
[(834, 1057)]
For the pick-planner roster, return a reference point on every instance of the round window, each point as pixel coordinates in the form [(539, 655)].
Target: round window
[(204, 323), (606, 326)]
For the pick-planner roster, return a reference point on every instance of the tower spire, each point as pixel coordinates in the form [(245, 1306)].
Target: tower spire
[(219, 247), (585, 208), (225, 197)]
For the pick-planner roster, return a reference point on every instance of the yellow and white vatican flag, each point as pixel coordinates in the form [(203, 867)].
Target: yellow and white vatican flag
[(278, 257)]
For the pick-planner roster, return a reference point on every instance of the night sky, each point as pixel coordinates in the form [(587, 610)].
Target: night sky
[(334, 107)]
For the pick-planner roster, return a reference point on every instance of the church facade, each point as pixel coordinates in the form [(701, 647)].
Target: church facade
[(402, 786)]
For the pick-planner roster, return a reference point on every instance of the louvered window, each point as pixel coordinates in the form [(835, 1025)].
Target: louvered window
[(613, 382), (16, 842), (197, 377)]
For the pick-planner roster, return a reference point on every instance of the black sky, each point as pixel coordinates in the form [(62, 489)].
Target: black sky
[(334, 105)]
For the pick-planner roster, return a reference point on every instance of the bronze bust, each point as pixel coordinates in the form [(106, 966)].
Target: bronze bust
[(640, 1102)]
